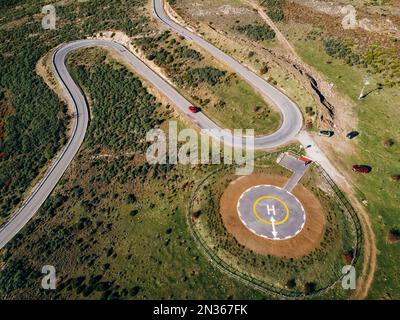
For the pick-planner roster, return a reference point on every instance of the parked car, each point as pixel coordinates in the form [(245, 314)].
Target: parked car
[(326, 133), (194, 109), (362, 168), (352, 134)]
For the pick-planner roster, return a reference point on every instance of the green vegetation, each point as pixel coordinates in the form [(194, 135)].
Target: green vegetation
[(339, 50), (394, 234), (257, 32), (161, 57), (34, 130), (224, 97), (198, 76), (114, 225), (379, 61), (15, 275), (109, 125), (321, 268), (272, 3), (276, 14), (33, 121), (384, 62), (258, 116), (377, 117), (274, 9)]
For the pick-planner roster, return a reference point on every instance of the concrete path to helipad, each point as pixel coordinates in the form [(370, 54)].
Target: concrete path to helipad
[(273, 212), (298, 167)]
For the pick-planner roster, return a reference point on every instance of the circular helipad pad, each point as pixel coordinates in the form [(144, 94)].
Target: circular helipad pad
[(271, 212)]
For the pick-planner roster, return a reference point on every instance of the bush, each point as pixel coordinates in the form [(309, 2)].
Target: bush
[(161, 57), (388, 142), (133, 213), (291, 284), (348, 256), (337, 49), (16, 275), (276, 14), (272, 3), (394, 234), (264, 69), (134, 291), (131, 199), (310, 288), (209, 75), (257, 32), (395, 178), (188, 53)]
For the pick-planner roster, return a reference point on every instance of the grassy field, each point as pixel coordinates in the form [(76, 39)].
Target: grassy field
[(378, 116), (114, 226), (246, 109), (33, 120), (216, 22), (32, 130), (225, 98), (321, 267)]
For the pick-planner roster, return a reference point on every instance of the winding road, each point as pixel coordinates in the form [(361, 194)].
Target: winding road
[(292, 120)]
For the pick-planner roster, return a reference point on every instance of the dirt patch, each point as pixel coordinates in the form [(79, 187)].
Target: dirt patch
[(306, 241)]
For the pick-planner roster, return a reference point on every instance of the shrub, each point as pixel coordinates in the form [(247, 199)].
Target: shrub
[(272, 3), (348, 256), (395, 178), (209, 75), (264, 69), (134, 291), (257, 32), (134, 213), (131, 198), (291, 284), (394, 234), (161, 57), (310, 288), (276, 14), (388, 142), (339, 50)]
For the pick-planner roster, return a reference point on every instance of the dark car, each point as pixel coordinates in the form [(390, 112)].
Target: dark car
[(194, 109), (326, 133), (352, 134), (362, 168)]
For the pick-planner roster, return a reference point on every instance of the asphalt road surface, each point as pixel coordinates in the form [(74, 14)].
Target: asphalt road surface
[(298, 168), (292, 120), (271, 212), (290, 127)]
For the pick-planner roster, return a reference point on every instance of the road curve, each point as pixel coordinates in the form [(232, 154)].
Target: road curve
[(292, 120), (291, 123)]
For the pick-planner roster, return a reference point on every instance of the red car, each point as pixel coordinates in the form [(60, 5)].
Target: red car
[(194, 109), (362, 168)]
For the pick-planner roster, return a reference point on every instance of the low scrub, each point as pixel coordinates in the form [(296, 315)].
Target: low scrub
[(257, 32)]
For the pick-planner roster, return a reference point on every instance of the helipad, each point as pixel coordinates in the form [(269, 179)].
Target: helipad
[(271, 212)]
